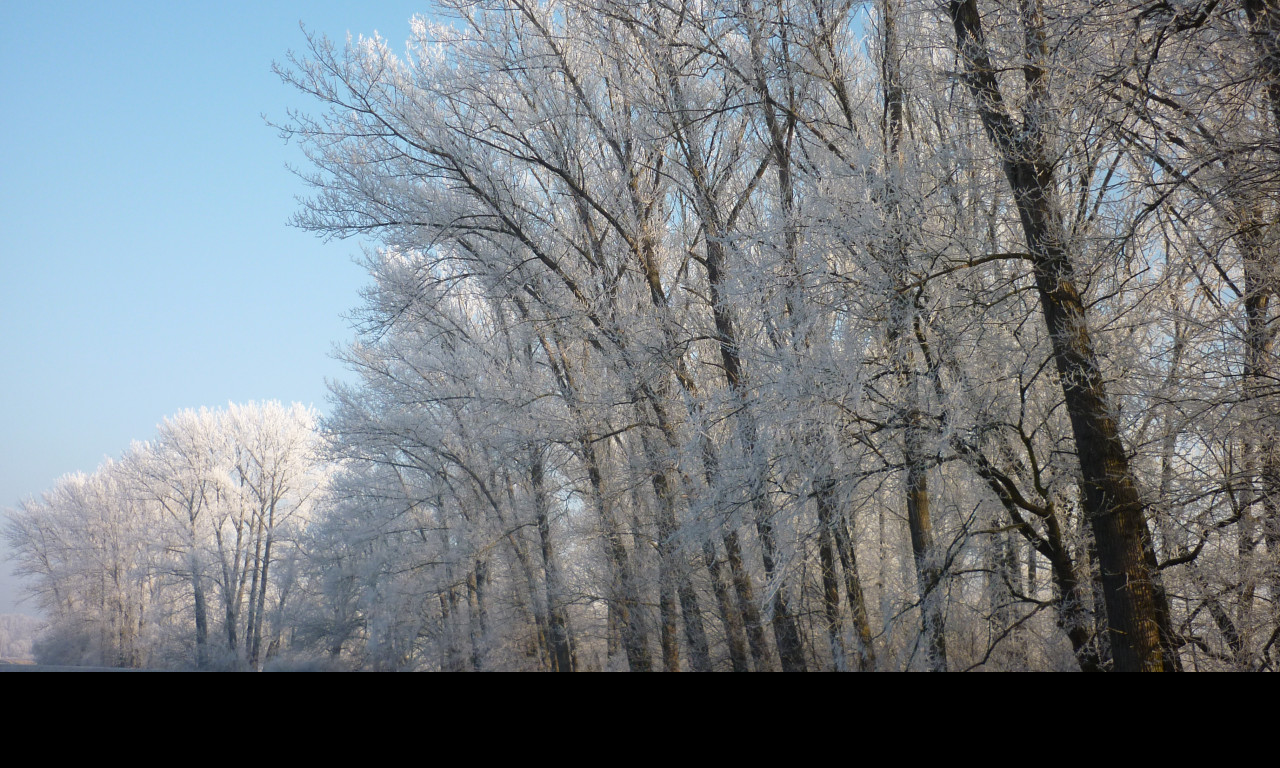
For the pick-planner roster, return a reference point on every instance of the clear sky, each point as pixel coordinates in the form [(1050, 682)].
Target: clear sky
[(145, 261)]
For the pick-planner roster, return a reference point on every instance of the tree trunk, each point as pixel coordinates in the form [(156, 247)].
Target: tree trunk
[(761, 654), (830, 585), (477, 583), (900, 336), (256, 642), (560, 640), (735, 637), (1110, 494), (854, 595), (202, 618)]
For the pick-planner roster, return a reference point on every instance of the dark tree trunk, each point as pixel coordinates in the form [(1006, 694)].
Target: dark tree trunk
[(1110, 495), (822, 492), (202, 617), (854, 595), (761, 654), (560, 640), (735, 636)]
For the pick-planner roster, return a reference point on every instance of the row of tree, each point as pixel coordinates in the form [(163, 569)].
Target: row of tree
[(185, 552), (764, 335), (17, 636), (799, 335)]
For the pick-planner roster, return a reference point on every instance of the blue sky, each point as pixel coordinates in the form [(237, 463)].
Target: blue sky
[(145, 261)]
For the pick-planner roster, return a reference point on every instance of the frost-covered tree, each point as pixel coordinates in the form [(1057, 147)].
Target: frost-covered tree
[(781, 335), (84, 546), (128, 562)]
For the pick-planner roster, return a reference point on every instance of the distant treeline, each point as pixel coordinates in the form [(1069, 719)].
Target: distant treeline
[(17, 634)]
